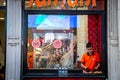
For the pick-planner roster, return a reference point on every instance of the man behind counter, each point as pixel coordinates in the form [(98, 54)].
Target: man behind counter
[(90, 61)]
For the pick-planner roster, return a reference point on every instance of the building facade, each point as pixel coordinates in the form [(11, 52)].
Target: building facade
[(15, 42)]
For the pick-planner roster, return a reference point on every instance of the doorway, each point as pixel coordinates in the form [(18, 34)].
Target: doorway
[(2, 44)]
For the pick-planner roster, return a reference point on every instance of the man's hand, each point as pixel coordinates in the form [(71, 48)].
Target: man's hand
[(87, 69), (94, 70)]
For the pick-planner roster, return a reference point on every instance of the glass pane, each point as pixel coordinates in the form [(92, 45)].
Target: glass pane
[(56, 41), (66, 5), (2, 2)]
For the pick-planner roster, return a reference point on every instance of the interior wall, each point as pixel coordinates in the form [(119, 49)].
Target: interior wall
[(2, 35), (2, 45)]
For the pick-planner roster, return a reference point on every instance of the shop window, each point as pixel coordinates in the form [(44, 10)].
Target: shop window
[(56, 38), (59, 41), (53, 43)]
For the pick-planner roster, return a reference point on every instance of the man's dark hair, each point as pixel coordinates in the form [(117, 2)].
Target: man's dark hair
[(89, 44)]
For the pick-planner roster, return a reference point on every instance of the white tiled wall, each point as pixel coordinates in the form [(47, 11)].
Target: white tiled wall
[(82, 35)]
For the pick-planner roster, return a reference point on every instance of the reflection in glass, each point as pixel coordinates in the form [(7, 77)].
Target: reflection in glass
[(52, 50), (61, 41)]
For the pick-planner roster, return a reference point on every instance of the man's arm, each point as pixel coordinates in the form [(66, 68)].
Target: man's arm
[(96, 68), (84, 67), (98, 65)]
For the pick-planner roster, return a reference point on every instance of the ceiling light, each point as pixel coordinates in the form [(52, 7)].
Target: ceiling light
[(33, 4), (2, 18), (4, 3)]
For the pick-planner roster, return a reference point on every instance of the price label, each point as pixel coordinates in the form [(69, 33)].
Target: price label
[(57, 43), (36, 43)]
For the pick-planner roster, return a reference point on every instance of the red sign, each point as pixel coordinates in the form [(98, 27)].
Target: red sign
[(36, 43), (71, 3), (57, 43)]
